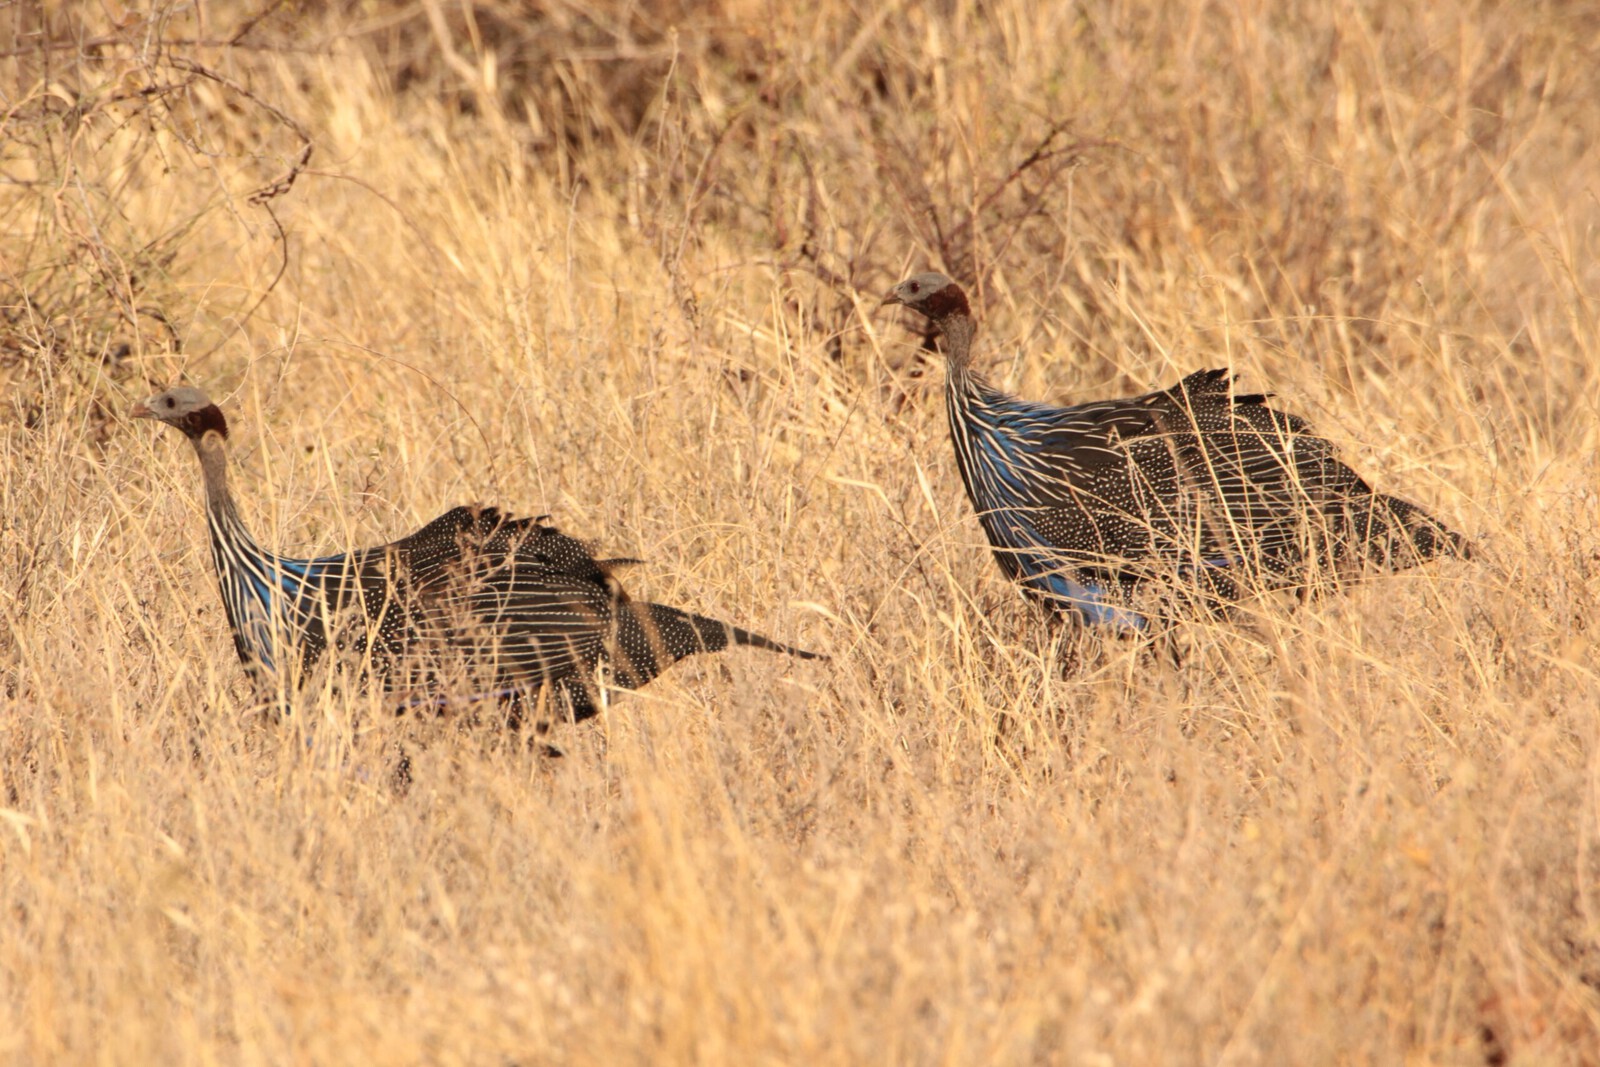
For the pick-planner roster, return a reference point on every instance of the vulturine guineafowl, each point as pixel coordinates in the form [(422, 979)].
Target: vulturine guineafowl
[(1204, 491), (475, 605)]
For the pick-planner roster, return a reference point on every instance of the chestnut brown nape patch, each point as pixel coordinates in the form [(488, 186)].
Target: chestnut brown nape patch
[(209, 417), (946, 302)]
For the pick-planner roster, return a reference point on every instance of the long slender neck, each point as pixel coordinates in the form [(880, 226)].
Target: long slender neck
[(959, 329), (963, 387), (220, 510), (252, 582)]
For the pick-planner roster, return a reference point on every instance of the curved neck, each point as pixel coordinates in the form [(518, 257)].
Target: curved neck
[(214, 471), (213, 455), (959, 329)]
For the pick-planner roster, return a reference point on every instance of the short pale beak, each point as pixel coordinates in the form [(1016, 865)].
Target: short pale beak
[(892, 298), (142, 411)]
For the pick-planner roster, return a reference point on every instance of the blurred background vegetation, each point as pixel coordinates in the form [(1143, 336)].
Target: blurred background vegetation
[(620, 261)]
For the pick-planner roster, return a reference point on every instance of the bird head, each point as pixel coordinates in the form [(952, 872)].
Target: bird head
[(931, 293), (185, 407)]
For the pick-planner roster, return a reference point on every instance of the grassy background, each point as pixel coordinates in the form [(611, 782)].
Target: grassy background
[(620, 263)]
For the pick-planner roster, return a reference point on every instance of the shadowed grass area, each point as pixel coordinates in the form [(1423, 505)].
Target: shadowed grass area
[(621, 265)]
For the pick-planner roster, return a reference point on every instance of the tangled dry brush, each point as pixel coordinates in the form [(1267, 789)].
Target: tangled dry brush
[(619, 263)]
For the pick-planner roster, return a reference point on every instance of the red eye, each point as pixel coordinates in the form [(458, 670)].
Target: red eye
[(916, 287)]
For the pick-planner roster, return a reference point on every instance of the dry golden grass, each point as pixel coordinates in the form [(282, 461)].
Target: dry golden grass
[(621, 266)]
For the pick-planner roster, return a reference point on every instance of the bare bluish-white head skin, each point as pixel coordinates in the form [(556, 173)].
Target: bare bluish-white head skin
[(931, 293), (185, 407)]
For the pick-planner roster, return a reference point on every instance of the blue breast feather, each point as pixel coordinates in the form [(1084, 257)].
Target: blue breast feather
[(281, 592), (1013, 428)]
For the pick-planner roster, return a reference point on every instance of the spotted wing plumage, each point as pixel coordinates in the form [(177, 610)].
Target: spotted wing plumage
[(475, 605), (478, 604), (1197, 486)]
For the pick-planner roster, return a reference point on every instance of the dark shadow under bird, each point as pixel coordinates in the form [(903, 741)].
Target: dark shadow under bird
[(474, 606), (1196, 490)]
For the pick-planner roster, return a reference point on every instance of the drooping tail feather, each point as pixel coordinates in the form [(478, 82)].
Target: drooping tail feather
[(1396, 534), (745, 637), (652, 637)]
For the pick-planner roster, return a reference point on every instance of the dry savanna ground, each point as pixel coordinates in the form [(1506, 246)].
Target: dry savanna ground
[(621, 263)]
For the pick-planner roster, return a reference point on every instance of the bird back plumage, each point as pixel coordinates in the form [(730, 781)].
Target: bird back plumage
[(475, 602), (1195, 486)]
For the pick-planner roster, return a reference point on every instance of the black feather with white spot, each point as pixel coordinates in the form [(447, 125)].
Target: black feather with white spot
[(1201, 489), (474, 605)]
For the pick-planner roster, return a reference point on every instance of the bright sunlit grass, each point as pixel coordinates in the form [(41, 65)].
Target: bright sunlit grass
[(621, 264)]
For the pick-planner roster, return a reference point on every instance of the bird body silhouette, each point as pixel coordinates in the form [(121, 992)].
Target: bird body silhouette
[(1206, 492), (475, 605)]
